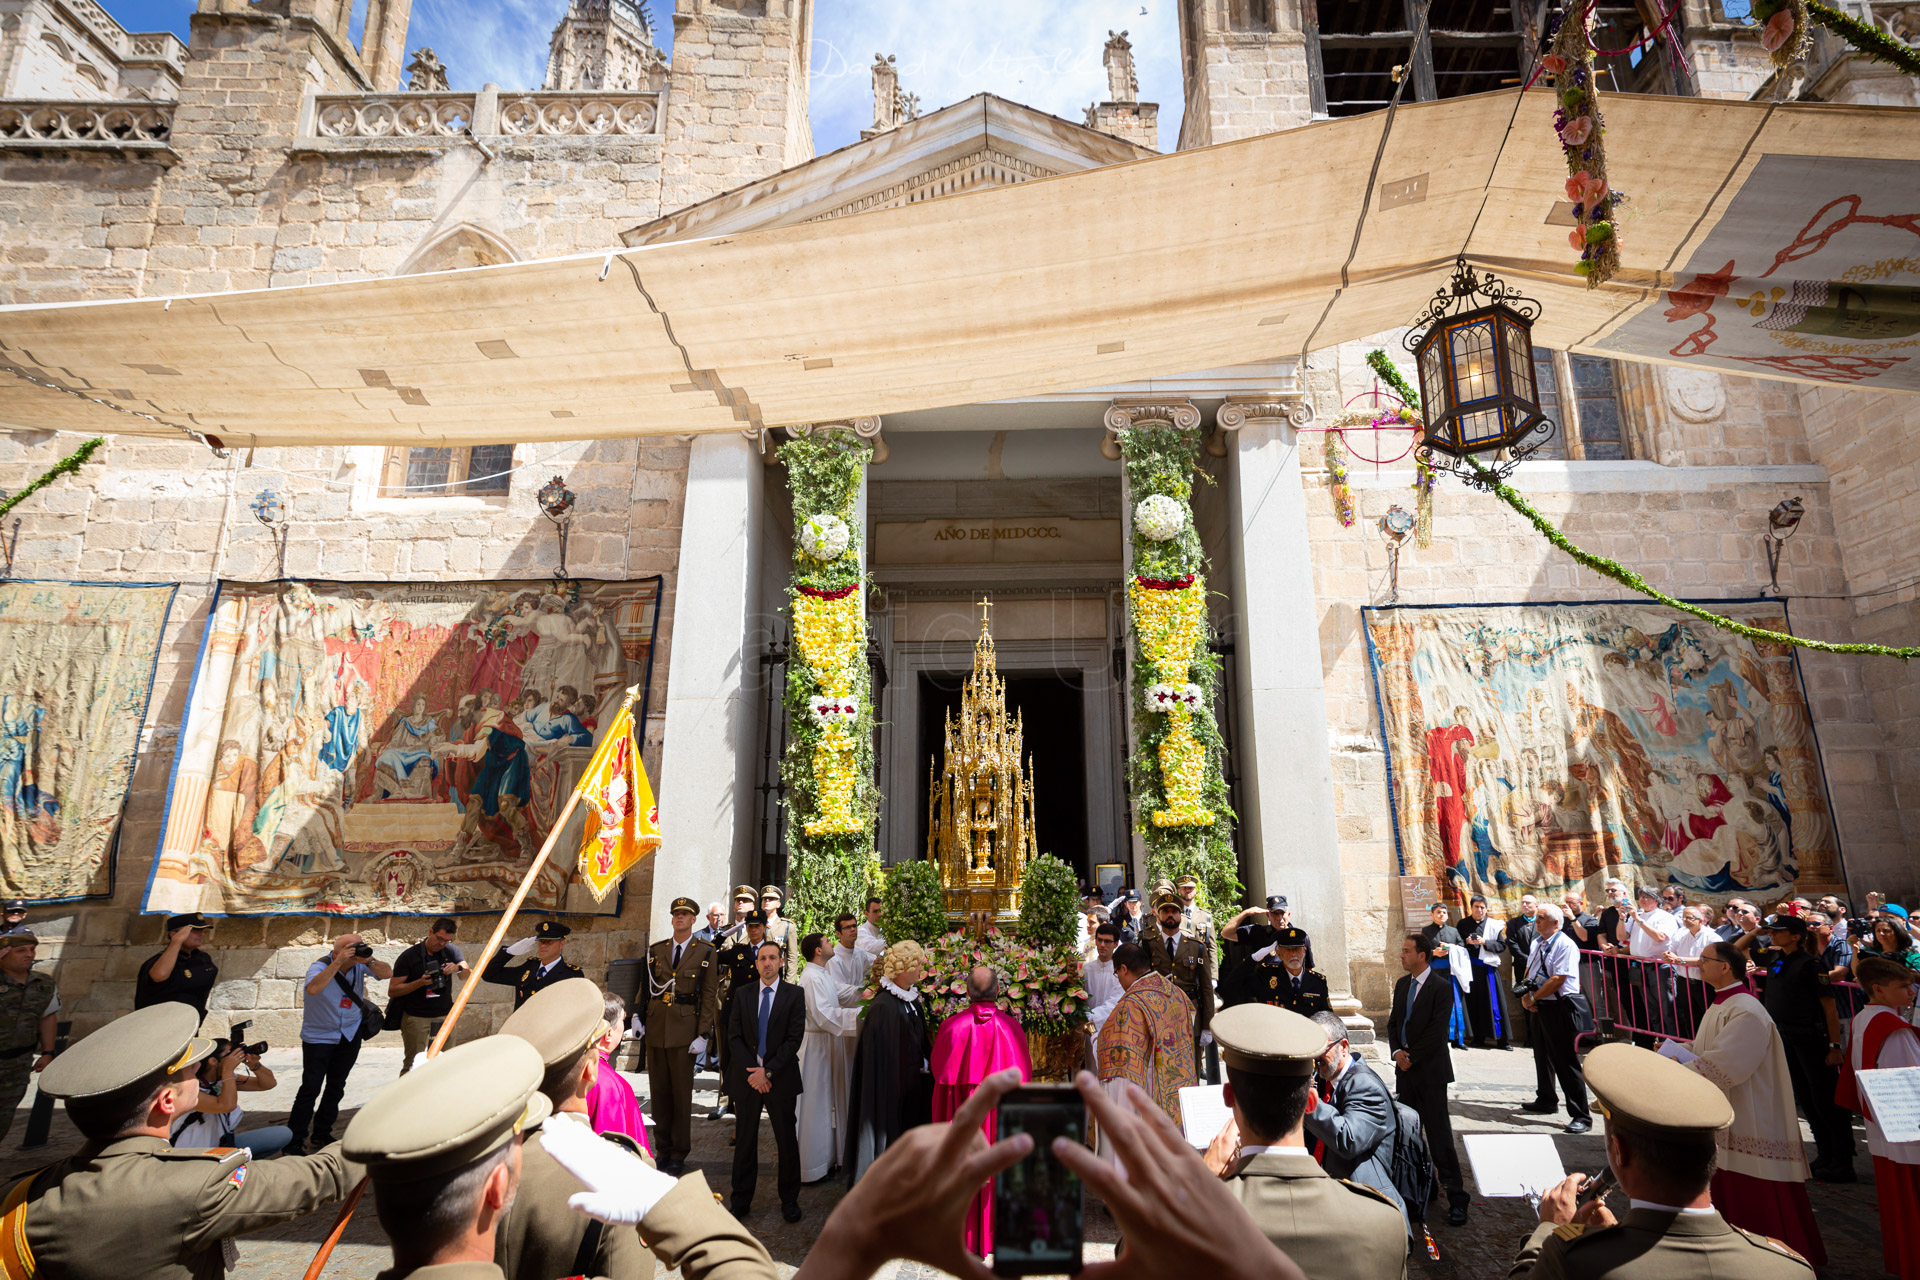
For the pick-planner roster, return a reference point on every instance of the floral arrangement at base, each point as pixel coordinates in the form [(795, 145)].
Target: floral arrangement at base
[(828, 767), (1175, 767), (1582, 138), (912, 904), (1040, 986), (1049, 903)]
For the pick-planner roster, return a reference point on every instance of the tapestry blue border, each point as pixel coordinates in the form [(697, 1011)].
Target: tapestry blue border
[(1386, 746), (659, 581), (146, 704)]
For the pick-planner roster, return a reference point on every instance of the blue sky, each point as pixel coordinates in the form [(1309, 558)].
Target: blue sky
[(1045, 53)]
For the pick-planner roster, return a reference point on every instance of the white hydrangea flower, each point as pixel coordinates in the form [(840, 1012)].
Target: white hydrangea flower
[(1160, 517), (825, 537)]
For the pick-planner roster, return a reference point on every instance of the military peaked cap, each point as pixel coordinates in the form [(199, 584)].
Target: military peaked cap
[(559, 1021), (146, 1044), (451, 1111)]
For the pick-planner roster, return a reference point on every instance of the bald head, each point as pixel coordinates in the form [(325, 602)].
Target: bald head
[(982, 986)]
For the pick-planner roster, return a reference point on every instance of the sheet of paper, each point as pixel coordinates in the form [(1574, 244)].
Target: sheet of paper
[(1894, 1095), (1677, 1051), (1514, 1164), (1204, 1113)]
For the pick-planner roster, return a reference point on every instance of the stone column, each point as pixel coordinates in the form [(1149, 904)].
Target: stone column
[(713, 696), (1287, 808)]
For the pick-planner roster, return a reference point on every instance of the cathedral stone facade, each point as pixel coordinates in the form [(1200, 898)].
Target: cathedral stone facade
[(270, 152)]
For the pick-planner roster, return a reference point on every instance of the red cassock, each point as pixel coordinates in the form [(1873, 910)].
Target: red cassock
[(970, 1047), (612, 1108)]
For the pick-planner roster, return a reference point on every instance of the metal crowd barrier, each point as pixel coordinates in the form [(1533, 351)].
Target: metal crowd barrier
[(1655, 1000)]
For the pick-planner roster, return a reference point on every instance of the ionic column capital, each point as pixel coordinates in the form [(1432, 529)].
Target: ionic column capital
[(1291, 407)]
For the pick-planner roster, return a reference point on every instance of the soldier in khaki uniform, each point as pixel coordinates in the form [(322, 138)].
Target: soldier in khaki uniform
[(783, 931), (1329, 1227), (28, 1002), (1661, 1125), (683, 987), (130, 1204), (1175, 950), (541, 1236), (444, 1148)]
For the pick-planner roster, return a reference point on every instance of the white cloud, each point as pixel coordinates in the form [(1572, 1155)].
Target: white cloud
[(1043, 53), (502, 42)]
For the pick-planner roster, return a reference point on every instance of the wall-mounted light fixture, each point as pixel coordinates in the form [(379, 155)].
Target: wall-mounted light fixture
[(1782, 523)]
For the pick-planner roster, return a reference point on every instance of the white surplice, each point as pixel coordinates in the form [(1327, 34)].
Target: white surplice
[(1103, 992), (1739, 1049), (1897, 1050), (825, 1055), (849, 966), (870, 940)]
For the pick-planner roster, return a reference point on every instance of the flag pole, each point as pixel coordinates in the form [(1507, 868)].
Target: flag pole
[(466, 990)]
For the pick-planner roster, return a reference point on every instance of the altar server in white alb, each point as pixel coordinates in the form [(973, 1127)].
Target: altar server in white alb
[(850, 960), (871, 940), (1103, 989), (826, 1056)]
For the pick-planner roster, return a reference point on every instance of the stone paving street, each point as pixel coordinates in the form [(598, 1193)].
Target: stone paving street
[(1491, 1085)]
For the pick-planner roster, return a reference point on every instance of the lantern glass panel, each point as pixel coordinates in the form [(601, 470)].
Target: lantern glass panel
[(1480, 427), (1520, 360), (1433, 383), (1476, 366)]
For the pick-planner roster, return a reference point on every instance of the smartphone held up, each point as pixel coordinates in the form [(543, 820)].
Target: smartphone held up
[(1037, 1204)]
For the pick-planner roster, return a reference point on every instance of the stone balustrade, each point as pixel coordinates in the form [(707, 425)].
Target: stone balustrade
[(355, 120), (129, 126)]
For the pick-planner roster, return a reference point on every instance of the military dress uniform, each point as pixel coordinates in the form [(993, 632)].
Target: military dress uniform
[(137, 1206), (1647, 1096), (457, 1110), (682, 1006), (542, 1236), (1329, 1227), (524, 973), (787, 934), (22, 1006), (1182, 959)]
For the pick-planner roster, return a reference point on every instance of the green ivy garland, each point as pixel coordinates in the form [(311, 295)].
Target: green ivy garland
[(1868, 39), (829, 873), (1620, 573), (65, 467), (1164, 460)]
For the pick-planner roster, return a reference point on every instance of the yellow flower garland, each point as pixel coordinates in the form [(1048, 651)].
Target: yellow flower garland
[(833, 785), (1171, 623), (832, 633), (1183, 774)]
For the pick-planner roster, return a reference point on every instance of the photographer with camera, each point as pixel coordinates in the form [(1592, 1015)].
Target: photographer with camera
[(216, 1118), (333, 1024), (423, 988)]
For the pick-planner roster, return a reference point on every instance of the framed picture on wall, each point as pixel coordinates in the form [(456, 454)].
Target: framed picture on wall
[(1111, 879)]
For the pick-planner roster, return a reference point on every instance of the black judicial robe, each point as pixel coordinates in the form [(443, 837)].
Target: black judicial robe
[(892, 1088)]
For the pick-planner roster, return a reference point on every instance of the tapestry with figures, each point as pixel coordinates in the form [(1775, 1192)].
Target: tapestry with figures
[(372, 748), (76, 671), (1535, 746)]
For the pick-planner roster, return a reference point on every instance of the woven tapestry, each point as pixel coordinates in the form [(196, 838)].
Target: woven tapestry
[(372, 748), (1531, 747), (76, 670)]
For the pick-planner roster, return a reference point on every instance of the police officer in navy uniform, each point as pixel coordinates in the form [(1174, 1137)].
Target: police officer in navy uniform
[(533, 964), (1279, 976), (183, 972)]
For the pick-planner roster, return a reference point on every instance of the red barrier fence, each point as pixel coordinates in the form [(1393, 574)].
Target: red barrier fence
[(1653, 998)]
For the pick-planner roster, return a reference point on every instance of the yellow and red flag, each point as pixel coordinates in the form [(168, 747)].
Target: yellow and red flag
[(623, 823)]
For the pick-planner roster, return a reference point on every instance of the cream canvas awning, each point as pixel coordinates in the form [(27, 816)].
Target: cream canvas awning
[(1804, 221)]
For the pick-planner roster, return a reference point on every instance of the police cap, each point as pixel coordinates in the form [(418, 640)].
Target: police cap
[(1290, 937), (552, 930), (451, 1111), (190, 920), (1268, 1041), (146, 1044), (755, 916), (1276, 902)]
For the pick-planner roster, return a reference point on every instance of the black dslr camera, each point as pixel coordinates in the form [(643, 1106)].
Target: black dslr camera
[(234, 1034), (364, 951), (1524, 987)]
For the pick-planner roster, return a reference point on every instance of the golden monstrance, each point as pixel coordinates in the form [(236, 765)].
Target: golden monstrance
[(980, 805)]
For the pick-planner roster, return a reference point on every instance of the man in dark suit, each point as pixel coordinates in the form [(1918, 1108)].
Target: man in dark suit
[(1522, 932), (764, 1029), (1355, 1116), (1417, 1034)]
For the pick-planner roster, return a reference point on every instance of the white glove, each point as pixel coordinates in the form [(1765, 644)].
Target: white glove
[(620, 1187), (698, 1047), (1264, 952), (1206, 1038), (522, 947)]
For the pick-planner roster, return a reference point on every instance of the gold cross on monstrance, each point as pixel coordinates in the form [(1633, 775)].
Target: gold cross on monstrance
[(985, 604)]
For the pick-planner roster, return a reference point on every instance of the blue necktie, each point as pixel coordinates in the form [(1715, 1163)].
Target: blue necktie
[(766, 1011)]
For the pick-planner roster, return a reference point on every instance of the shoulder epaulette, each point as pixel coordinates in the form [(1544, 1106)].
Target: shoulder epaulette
[(1570, 1231), (202, 1153), (1375, 1193), (1768, 1242)]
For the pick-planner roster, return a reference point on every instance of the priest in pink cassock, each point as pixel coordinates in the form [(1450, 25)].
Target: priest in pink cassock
[(971, 1046), (611, 1106)]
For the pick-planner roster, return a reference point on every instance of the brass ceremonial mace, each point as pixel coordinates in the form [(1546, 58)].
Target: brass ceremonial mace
[(325, 1251)]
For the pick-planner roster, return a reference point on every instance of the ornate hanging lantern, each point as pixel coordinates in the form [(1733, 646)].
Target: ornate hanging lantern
[(1473, 347)]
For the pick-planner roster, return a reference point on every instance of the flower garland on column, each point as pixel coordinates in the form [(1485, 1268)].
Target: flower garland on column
[(828, 769), (1581, 131), (1175, 768)]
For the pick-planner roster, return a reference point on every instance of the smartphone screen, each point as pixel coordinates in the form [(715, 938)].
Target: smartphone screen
[(1037, 1203)]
